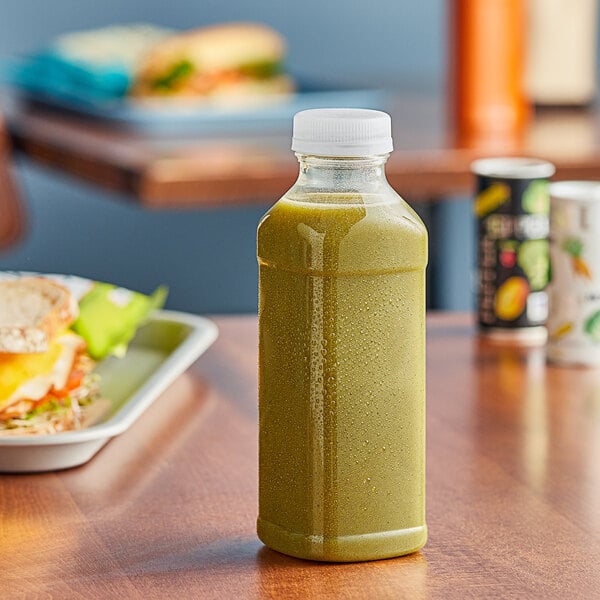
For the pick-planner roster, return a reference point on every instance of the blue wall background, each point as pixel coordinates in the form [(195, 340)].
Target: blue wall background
[(207, 257)]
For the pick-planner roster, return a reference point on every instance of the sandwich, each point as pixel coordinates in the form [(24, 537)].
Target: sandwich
[(234, 61), (47, 384)]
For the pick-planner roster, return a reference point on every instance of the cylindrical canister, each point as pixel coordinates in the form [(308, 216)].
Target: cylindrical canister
[(574, 292), (513, 264), (486, 67), (561, 51)]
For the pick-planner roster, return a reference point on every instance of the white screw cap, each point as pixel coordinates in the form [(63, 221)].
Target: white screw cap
[(342, 132)]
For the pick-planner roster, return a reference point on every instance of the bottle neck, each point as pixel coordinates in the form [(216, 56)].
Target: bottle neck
[(365, 174)]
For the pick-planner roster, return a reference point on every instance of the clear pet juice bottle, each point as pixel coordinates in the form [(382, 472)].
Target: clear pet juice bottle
[(342, 350)]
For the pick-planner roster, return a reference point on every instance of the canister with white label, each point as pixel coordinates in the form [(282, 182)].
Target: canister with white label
[(574, 290)]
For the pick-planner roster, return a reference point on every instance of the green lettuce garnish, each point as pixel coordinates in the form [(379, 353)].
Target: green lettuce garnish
[(178, 71), (109, 316), (262, 69)]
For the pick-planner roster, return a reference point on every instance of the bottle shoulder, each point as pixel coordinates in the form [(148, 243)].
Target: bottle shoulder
[(333, 211), (344, 232)]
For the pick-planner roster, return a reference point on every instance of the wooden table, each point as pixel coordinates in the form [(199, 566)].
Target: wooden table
[(168, 509), (430, 163)]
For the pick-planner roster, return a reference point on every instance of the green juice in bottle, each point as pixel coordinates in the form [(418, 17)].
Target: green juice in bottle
[(342, 351)]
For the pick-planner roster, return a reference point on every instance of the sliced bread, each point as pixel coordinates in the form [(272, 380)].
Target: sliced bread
[(32, 311)]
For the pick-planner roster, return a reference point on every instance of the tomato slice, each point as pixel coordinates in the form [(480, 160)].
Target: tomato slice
[(73, 382)]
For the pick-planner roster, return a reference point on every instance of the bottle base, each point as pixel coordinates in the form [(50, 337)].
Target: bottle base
[(351, 548)]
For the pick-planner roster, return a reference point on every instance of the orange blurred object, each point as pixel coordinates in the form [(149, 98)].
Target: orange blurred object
[(12, 217), (488, 103)]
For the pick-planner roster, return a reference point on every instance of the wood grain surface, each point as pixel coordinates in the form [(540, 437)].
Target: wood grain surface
[(431, 160), (167, 510)]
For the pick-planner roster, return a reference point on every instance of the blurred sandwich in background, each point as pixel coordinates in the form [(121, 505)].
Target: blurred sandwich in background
[(232, 64), (225, 62)]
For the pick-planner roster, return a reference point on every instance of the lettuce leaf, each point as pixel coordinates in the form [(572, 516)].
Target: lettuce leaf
[(109, 316)]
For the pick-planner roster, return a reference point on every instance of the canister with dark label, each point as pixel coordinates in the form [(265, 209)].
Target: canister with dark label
[(512, 208), (574, 292)]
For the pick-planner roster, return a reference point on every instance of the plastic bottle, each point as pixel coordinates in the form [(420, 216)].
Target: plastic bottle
[(342, 350)]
